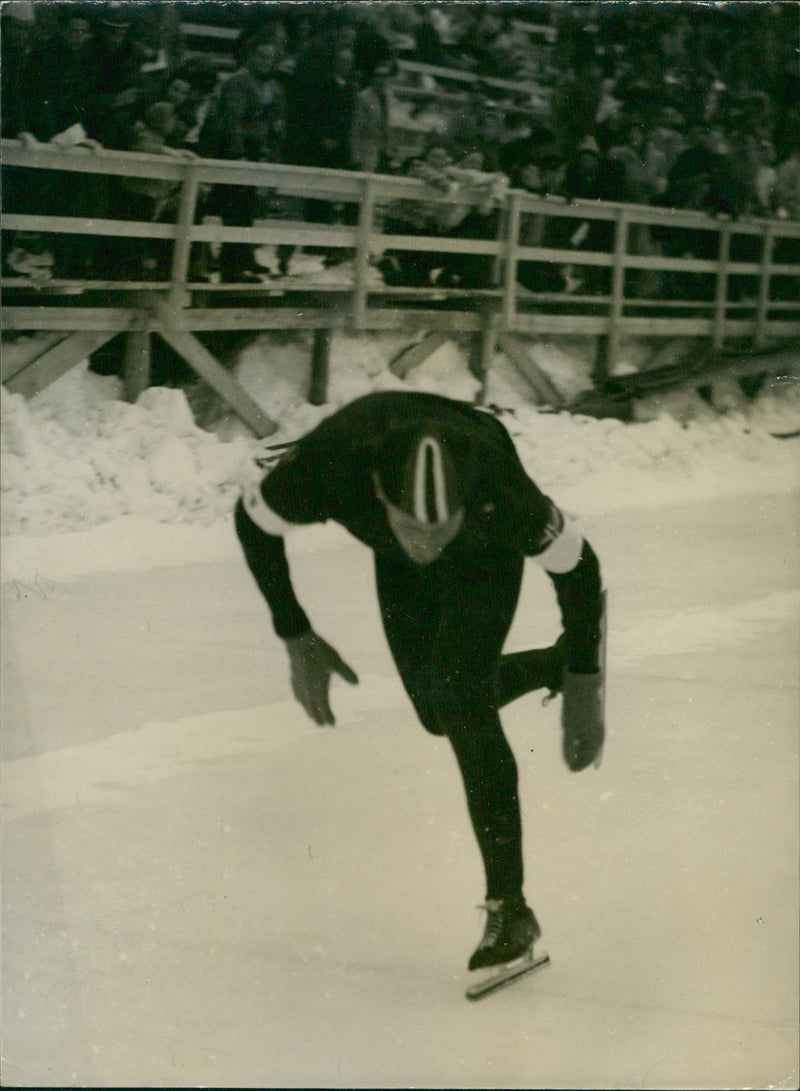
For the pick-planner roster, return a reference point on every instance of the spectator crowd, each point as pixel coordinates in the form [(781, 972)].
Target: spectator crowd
[(694, 107)]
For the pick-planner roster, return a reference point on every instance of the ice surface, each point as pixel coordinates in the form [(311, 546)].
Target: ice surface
[(202, 888)]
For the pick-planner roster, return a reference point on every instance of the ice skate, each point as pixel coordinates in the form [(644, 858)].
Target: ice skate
[(506, 949)]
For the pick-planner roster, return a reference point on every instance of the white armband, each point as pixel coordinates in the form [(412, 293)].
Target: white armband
[(563, 553), (262, 514)]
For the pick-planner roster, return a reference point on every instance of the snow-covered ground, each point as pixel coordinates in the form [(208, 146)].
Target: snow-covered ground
[(135, 485), (201, 888)]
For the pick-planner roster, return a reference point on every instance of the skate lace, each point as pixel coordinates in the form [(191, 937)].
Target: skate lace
[(494, 922)]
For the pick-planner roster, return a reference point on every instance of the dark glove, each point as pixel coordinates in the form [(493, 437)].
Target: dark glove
[(583, 720), (312, 662)]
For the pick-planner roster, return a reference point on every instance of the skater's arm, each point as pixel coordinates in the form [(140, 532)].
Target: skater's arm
[(558, 546), (266, 558), (312, 660), (580, 598), (582, 601)]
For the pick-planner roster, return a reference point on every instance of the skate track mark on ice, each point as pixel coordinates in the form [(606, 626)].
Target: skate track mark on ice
[(697, 630), (96, 772)]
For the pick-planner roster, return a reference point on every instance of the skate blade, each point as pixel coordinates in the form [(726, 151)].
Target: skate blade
[(507, 974)]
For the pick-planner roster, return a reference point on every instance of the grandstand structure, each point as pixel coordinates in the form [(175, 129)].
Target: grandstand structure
[(85, 314)]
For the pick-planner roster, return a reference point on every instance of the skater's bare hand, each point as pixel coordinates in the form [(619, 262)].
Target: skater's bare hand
[(313, 661)]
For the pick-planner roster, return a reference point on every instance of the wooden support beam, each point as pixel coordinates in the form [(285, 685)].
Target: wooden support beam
[(181, 252), (366, 215), (510, 270), (721, 293), (207, 367), (56, 361), (482, 351), (136, 368), (760, 336), (320, 367), (416, 354), (541, 383), (607, 354)]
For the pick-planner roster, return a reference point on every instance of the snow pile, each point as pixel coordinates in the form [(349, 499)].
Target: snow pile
[(77, 457)]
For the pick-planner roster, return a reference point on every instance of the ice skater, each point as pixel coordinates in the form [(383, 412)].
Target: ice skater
[(436, 489)]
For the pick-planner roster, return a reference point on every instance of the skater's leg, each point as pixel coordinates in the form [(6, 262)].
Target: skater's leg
[(446, 624), (409, 596), (477, 610), (522, 672)]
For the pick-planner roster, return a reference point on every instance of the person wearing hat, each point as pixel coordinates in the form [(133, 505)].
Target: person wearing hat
[(436, 489), (246, 120), (115, 80)]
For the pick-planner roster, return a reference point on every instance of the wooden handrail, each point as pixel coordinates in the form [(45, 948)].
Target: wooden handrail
[(344, 186), (372, 306)]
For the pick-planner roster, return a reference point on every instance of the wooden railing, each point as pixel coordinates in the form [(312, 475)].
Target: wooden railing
[(176, 307)]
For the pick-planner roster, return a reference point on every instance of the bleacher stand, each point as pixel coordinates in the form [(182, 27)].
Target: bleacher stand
[(641, 104)]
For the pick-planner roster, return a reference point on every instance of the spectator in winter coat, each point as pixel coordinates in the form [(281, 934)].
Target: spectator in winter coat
[(787, 205), (702, 178), (114, 88), (787, 187), (590, 176), (152, 200), (640, 185), (58, 77), (321, 110), (16, 39), (321, 106), (246, 121), (56, 111), (369, 134)]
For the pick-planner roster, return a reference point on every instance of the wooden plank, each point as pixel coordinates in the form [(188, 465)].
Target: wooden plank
[(511, 260), (207, 367), (482, 350), (81, 161), (760, 335), (541, 383), (183, 230), (320, 367), (416, 354), (205, 30), (56, 361), (136, 367), (438, 244), (66, 319), (279, 231), (366, 216), (689, 265), (346, 185), (721, 291), (78, 225), (563, 256), (617, 297)]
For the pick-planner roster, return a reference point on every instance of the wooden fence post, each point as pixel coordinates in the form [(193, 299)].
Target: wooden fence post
[(764, 286), (361, 271), (482, 350), (320, 367), (609, 347), (136, 368), (721, 298), (510, 271), (181, 252)]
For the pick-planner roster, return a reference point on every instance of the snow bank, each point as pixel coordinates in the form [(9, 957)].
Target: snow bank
[(90, 481)]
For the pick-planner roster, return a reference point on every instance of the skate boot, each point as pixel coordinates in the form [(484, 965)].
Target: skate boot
[(511, 930)]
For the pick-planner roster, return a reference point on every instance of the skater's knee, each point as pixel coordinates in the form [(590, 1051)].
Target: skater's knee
[(457, 706)]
